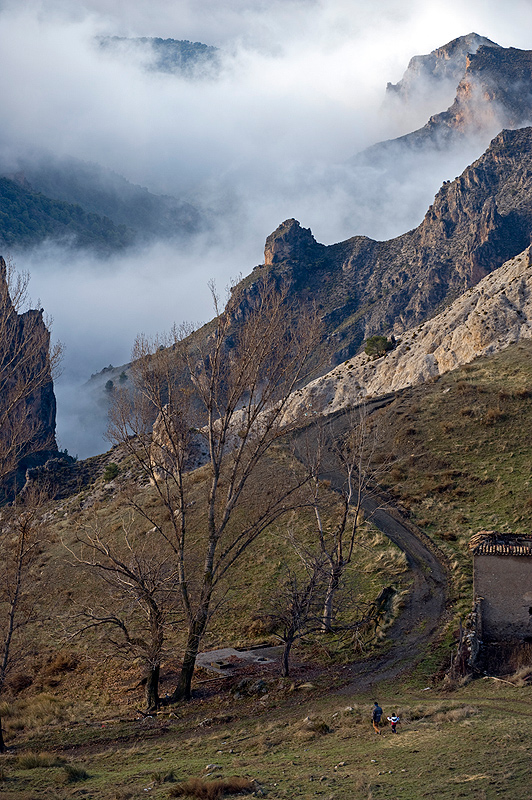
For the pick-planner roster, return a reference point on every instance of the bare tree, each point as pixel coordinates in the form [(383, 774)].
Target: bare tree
[(220, 398), (27, 419), (21, 536), (349, 458), (27, 365), (136, 599), (295, 608)]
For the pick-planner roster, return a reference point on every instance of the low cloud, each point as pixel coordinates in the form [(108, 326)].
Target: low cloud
[(300, 91)]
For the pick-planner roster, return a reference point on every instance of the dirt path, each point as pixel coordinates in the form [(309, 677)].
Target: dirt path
[(423, 612)]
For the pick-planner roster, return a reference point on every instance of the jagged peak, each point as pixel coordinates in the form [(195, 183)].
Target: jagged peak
[(445, 63)]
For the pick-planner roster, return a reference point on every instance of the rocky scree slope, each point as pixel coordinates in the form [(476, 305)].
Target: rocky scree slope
[(363, 287), (489, 317)]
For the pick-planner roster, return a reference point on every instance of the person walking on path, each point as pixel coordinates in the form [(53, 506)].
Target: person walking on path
[(393, 720), (376, 715)]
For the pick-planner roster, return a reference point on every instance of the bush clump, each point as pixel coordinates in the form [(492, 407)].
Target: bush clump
[(377, 346)]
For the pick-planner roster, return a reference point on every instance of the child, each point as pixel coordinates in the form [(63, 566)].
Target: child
[(394, 719)]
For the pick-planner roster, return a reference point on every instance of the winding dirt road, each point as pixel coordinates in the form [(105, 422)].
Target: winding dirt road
[(423, 612)]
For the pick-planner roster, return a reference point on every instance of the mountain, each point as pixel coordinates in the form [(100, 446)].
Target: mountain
[(486, 319), (106, 193), (445, 65), (364, 287), (178, 56), (494, 92), (28, 217)]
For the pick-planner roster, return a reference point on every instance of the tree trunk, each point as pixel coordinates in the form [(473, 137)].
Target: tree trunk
[(328, 605), (152, 688), (285, 669), (3, 747), (196, 631)]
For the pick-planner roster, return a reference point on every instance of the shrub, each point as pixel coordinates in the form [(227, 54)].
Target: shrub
[(61, 662), (493, 415), (110, 472), (19, 681), (377, 346)]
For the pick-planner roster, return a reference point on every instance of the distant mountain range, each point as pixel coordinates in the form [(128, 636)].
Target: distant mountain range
[(86, 205), (101, 191)]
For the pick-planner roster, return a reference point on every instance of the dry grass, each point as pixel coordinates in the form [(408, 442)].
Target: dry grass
[(38, 761), (212, 789)]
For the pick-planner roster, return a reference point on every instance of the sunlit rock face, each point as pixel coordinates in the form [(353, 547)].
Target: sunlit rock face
[(494, 91), (290, 243), (444, 64)]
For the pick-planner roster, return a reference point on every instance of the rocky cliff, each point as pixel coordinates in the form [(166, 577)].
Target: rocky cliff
[(27, 400), (363, 287), (494, 92), (446, 64), (495, 313)]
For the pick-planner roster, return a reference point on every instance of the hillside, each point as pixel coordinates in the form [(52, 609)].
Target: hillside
[(457, 466), (489, 317), (28, 218), (103, 192)]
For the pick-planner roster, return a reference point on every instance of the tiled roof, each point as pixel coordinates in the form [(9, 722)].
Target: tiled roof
[(492, 543)]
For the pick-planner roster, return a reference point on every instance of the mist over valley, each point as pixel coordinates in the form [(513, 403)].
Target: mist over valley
[(186, 137)]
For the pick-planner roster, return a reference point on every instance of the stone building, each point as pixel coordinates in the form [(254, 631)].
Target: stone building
[(502, 585)]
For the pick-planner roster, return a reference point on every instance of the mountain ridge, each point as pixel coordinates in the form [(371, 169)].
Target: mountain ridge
[(363, 286)]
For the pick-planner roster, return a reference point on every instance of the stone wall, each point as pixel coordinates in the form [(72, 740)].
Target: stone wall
[(503, 583)]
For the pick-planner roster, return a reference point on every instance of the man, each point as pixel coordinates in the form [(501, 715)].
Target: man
[(376, 715)]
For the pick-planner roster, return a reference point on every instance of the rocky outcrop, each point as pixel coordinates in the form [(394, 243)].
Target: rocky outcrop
[(495, 313), (445, 64), (27, 400), (290, 244)]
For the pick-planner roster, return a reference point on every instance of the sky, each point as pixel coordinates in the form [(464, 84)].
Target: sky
[(300, 92)]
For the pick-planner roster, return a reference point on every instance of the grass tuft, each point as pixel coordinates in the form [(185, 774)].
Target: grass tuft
[(38, 761), (75, 774), (212, 790)]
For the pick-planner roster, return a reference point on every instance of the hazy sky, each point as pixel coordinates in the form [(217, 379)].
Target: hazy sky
[(301, 90)]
